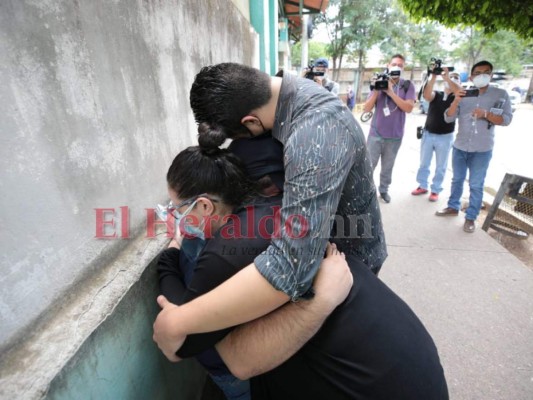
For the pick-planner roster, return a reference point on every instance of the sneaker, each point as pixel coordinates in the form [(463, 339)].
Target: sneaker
[(469, 226), (385, 197), (433, 196), (418, 191)]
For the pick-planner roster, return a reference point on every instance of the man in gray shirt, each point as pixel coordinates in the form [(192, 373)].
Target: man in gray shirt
[(472, 150)]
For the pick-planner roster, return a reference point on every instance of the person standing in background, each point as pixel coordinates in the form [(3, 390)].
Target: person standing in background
[(472, 149), (388, 122), (437, 135), (350, 98)]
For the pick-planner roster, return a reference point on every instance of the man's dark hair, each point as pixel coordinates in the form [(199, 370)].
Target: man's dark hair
[(481, 64), (397, 56), (223, 94)]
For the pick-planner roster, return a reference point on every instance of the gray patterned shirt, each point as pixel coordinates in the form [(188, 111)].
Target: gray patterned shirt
[(477, 135), (329, 190)]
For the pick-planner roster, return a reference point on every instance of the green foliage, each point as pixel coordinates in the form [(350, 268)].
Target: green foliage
[(316, 50), (504, 49), (489, 15), (417, 42), (354, 26)]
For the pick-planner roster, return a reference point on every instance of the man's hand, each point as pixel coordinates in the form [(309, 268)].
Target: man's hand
[(319, 80), (479, 113), (166, 333), (459, 93), (334, 279)]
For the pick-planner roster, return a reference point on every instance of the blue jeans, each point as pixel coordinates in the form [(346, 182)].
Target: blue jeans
[(441, 145), (233, 388), (477, 164)]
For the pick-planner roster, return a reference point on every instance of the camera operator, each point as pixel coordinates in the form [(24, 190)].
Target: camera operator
[(318, 72), (393, 97), (437, 134)]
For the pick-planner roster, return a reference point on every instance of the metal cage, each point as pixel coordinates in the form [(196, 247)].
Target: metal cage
[(512, 210)]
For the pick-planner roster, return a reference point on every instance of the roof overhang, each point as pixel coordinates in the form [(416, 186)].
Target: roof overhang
[(294, 9)]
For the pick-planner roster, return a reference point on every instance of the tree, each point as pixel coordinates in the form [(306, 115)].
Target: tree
[(338, 32), (354, 26), (470, 42), (504, 49), (417, 42), (489, 15), (316, 50)]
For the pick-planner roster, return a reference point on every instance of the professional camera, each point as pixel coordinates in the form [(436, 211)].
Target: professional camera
[(311, 71), (435, 67), (381, 81)]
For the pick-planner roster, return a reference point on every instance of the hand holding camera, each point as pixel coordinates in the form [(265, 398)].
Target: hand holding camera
[(381, 81), (435, 67), (313, 73)]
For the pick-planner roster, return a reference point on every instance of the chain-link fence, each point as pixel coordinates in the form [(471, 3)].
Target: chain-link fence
[(512, 210)]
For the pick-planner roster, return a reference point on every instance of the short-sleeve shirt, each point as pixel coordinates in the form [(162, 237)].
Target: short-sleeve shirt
[(391, 126), (329, 189)]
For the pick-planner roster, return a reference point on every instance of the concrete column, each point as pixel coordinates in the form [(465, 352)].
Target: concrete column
[(274, 39), (259, 17)]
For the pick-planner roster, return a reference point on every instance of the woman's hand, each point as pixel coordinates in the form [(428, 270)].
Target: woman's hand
[(166, 329), (334, 278)]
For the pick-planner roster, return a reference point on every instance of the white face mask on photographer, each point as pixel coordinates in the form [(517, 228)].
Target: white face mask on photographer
[(457, 81), (480, 81), (395, 69)]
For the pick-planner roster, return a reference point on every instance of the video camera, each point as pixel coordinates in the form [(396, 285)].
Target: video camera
[(435, 67), (381, 81), (311, 73)]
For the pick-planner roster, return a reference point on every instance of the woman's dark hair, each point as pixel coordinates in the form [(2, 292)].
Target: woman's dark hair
[(208, 169), (223, 94)]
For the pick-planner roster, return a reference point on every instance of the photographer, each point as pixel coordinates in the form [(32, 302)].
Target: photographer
[(393, 97), (437, 134), (318, 72), (472, 149)]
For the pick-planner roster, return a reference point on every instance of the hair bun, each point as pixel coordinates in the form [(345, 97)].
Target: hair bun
[(210, 138)]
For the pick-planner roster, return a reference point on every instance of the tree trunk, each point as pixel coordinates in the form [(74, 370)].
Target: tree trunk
[(360, 76), (529, 96)]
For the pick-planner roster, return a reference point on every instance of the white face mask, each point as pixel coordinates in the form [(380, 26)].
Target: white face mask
[(456, 81), (481, 81), (395, 68)]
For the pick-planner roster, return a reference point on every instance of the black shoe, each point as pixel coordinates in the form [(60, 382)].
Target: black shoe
[(385, 197), (469, 226), (447, 212)]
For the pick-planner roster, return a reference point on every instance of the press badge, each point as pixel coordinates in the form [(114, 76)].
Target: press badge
[(386, 111)]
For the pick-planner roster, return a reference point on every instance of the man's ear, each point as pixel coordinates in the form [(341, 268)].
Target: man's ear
[(250, 120)]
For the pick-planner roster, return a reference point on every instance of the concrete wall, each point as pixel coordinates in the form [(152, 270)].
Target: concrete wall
[(119, 360), (94, 99)]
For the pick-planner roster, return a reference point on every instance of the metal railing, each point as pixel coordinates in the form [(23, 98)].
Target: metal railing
[(512, 210)]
